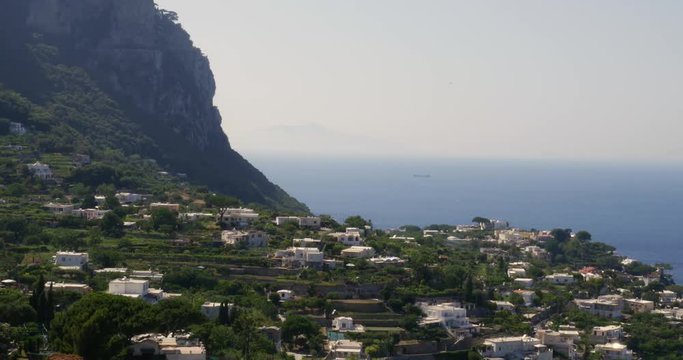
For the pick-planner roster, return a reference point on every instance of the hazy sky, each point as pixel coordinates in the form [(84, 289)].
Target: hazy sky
[(492, 79)]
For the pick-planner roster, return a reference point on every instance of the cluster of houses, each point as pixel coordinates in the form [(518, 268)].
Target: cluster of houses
[(449, 315)]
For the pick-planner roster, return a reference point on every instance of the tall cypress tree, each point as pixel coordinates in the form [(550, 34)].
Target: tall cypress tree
[(38, 298)]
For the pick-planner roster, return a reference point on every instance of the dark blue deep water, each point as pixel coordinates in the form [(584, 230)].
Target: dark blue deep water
[(636, 208)]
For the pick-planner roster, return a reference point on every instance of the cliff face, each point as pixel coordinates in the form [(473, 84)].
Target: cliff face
[(143, 60), (141, 54)]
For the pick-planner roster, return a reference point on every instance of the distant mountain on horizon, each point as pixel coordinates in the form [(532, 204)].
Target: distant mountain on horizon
[(122, 75)]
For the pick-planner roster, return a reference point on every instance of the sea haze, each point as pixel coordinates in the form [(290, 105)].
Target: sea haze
[(636, 208)]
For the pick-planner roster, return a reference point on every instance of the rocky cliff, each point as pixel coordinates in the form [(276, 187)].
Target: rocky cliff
[(140, 53), (141, 57)]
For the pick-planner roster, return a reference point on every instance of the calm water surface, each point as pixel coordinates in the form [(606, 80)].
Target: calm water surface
[(637, 209)]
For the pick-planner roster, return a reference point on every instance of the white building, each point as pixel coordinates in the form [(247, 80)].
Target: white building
[(606, 334), (608, 306), (170, 347), (503, 305), (240, 217), (16, 128), (537, 252), (60, 209), (285, 295), (351, 237), (515, 272), (213, 309), (345, 323), (130, 198), (672, 314), (129, 287), (163, 205), (359, 252), (345, 349), (90, 214), (70, 259), (639, 305), (194, 216), (252, 238), (387, 260), (614, 351), (146, 274), (41, 170), (561, 279), (561, 341), (300, 257), (312, 222), (667, 297), (306, 242), (513, 236), (79, 288), (516, 347), (282, 220), (448, 315)]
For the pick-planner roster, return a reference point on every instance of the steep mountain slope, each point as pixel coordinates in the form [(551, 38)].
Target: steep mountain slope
[(123, 74)]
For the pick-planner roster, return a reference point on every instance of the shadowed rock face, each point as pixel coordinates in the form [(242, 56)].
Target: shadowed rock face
[(141, 57), (142, 54)]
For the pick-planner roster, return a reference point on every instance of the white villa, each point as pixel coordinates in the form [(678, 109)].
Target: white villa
[(80, 288), (312, 222), (345, 349), (606, 334), (515, 272), (667, 297), (146, 274), (170, 347), (561, 341), (70, 260), (448, 315), (252, 238), (169, 206), (351, 237), (240, 217), (536, 252), (285, 295), (300, 257), (359, 252), (608, 306), (561, 279), (503, 305), (306, 242), (41, 170), (614, 351), (387, 260), (212, 309), (511, 236), (129, 287), (639, 305), (90, 214), (516, 347), (345, 323), (130, 198)]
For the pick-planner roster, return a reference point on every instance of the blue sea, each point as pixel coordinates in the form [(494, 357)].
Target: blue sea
[(636, 208)]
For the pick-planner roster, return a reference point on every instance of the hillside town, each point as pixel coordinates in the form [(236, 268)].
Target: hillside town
[(314, 287)]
